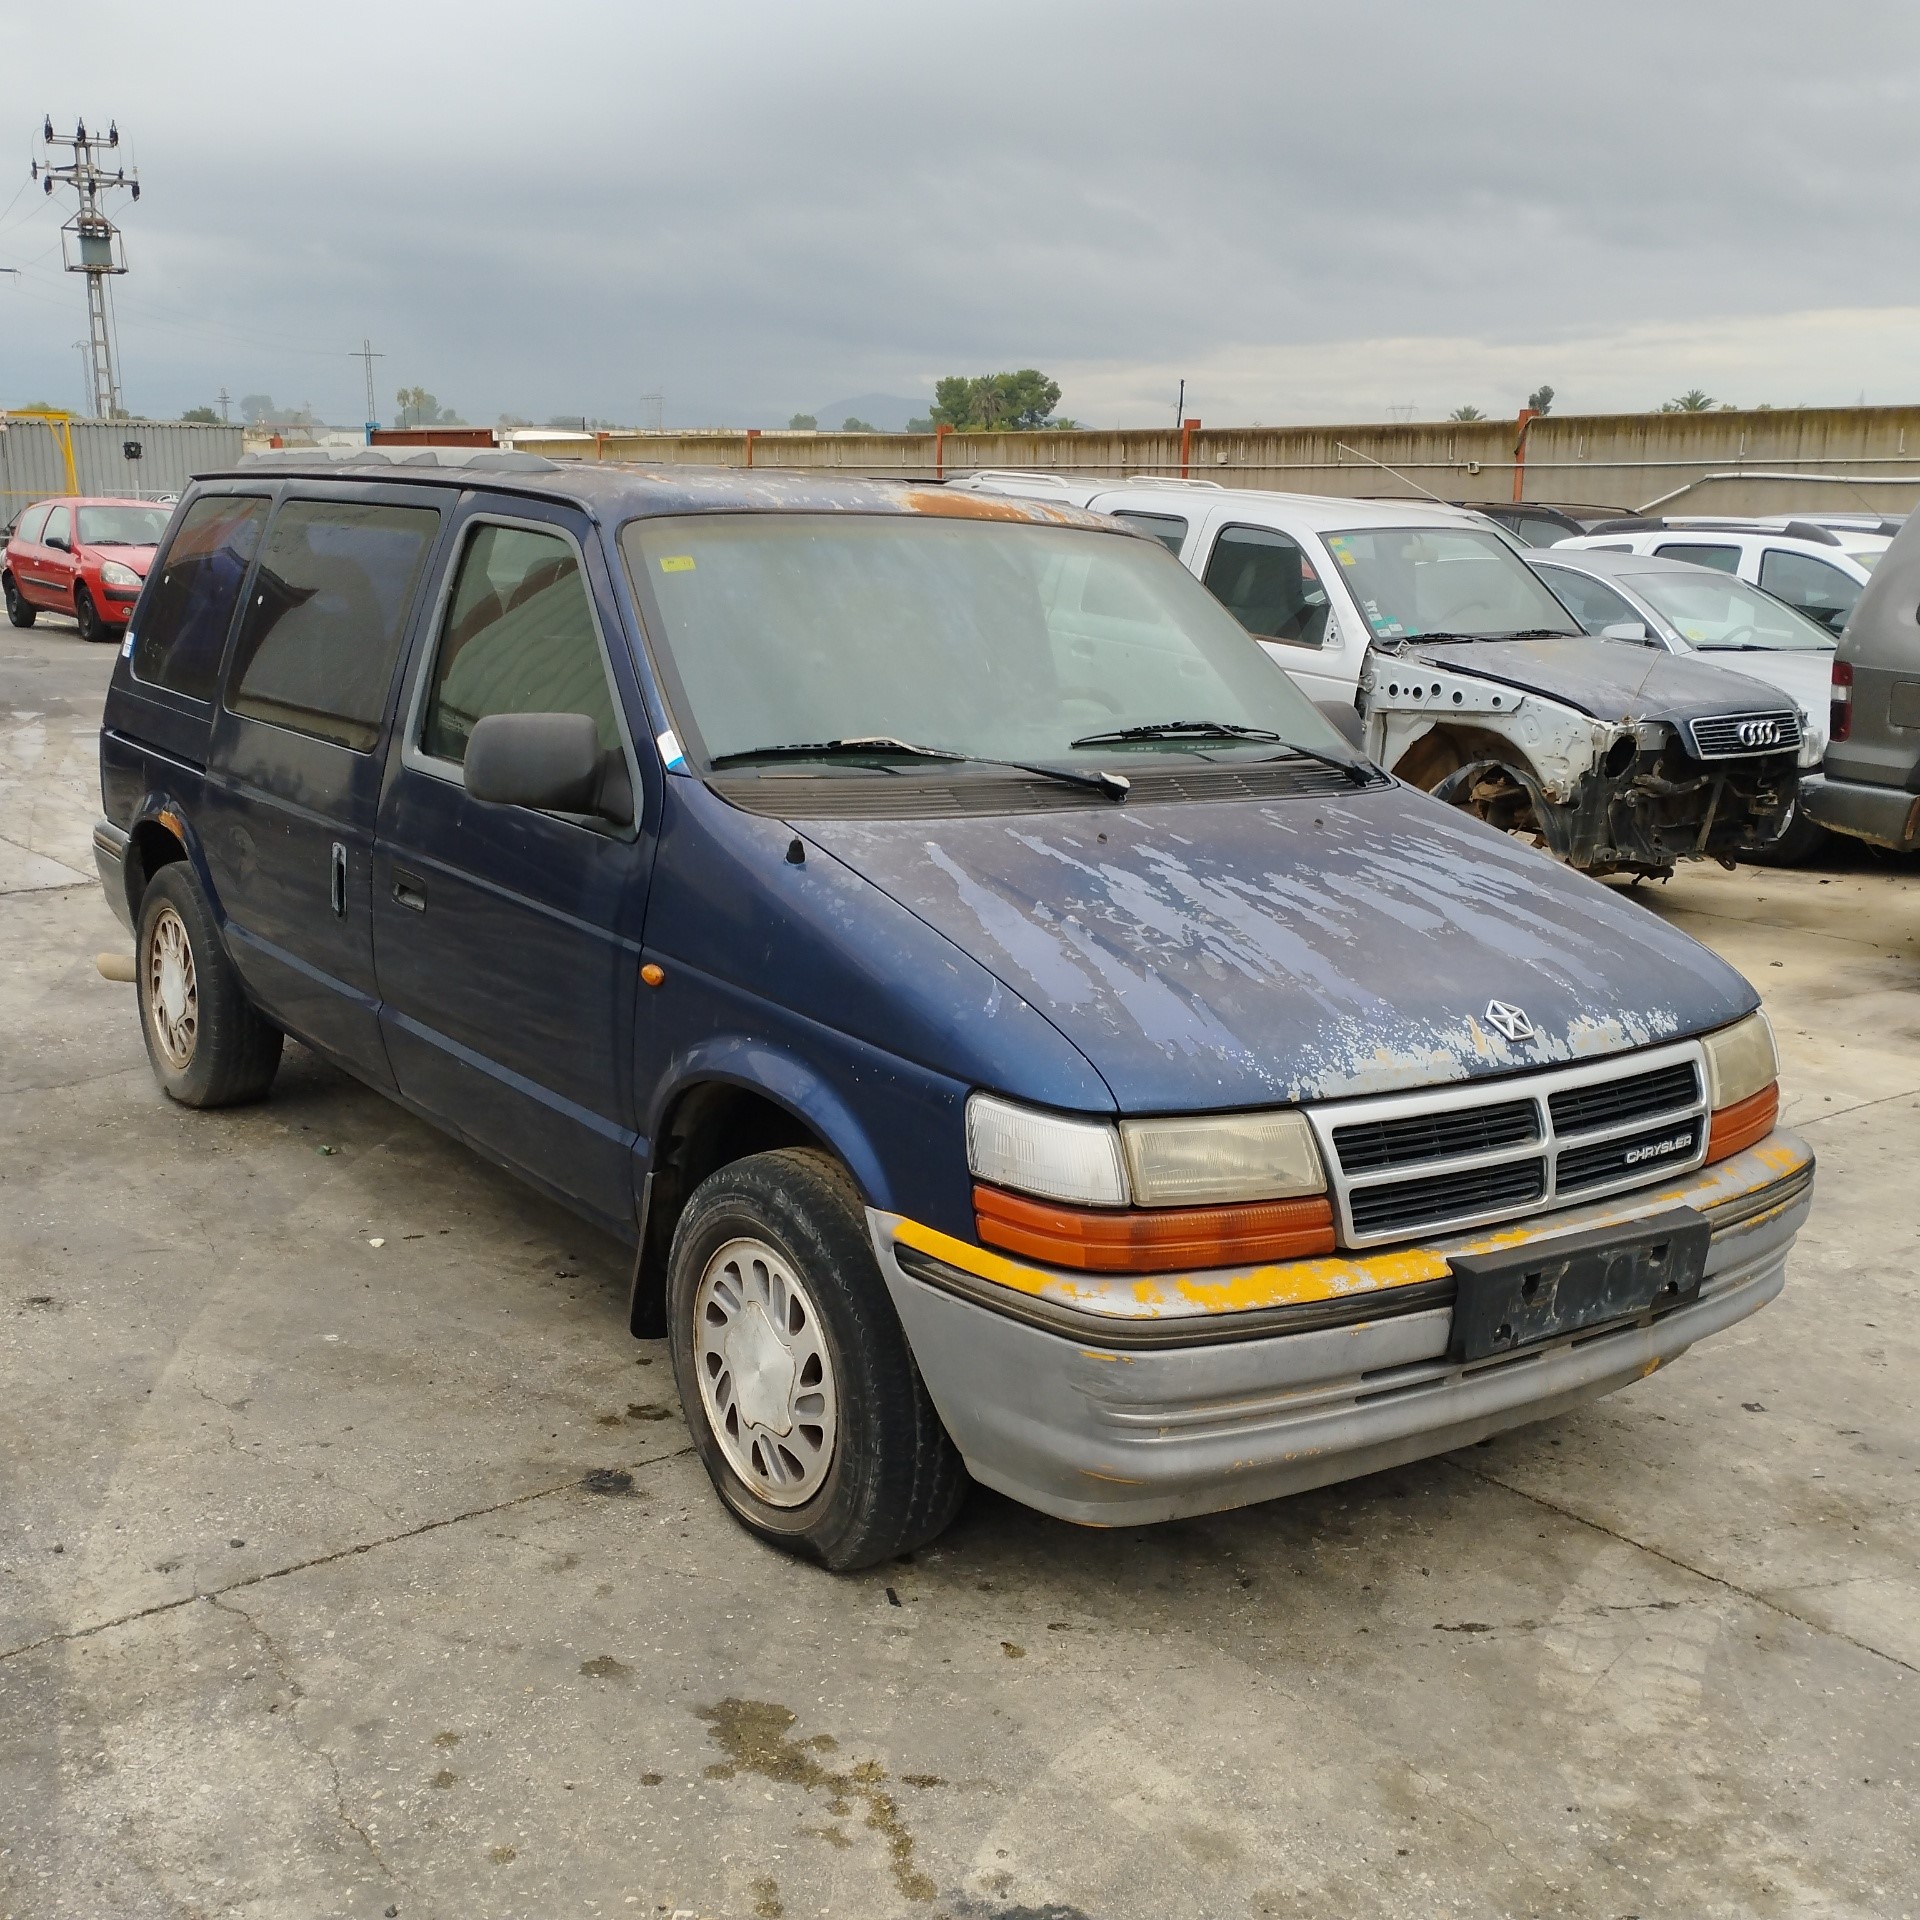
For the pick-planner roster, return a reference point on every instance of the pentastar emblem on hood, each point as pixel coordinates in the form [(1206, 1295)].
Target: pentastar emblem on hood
[(1508, 1021)]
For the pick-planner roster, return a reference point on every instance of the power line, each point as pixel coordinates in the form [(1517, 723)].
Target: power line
[(365, 353)]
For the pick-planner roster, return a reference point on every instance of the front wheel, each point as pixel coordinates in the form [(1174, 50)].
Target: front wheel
[(208, 1046), (796, 1377), (18, 611), (87, 617)]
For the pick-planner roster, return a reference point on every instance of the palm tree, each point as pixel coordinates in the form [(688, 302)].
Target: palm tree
[(1692, 401), (1468, 412)]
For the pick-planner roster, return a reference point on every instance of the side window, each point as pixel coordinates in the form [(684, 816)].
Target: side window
[(519, 637), (59, 527), (1819, 591), (1727, 559), (1168, 528), (1593, 605), (1269, 585), (183, 623), (322, 628)]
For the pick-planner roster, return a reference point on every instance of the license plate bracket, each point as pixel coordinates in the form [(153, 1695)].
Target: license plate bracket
[(1520, 1296)]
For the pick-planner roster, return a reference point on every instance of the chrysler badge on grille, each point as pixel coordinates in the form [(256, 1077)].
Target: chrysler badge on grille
[(1508, 1021)]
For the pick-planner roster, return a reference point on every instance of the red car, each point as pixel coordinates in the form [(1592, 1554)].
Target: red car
[(83, 557)]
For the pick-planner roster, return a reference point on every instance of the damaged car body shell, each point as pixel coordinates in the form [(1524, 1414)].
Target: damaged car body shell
[(1616, 759)]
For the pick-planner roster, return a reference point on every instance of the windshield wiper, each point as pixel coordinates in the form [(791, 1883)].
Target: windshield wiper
[(1395, 642), (1176, 730), (1113, 786), (1360, 772)]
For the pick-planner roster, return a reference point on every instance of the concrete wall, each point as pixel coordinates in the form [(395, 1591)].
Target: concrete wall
[(34, 457), (1759, 461)]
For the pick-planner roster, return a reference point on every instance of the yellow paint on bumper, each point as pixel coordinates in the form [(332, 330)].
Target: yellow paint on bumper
[(1289, 1283)]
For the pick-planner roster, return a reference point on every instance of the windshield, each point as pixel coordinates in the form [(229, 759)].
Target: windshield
[(1713, 610), (1864, 557), (123, 526), (990, 639), (1411, 581)]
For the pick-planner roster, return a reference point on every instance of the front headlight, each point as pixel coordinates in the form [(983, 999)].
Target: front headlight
[(1044, 1153), (113, 574), (1211, 1160), (1741, 1061), (1207, 1161)]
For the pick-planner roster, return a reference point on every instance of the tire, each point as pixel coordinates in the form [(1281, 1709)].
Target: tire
[(207, 1045), (18, 611), (1802, 840), (871, 1474), (87, 618)]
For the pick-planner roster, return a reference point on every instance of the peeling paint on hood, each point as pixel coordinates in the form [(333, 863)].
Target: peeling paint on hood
[(1233, 954)]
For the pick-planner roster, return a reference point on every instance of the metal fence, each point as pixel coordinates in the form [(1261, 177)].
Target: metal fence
[(1796, 459), (42, 454)]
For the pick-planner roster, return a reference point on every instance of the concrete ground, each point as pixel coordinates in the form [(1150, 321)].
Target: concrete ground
[(308, 1609)]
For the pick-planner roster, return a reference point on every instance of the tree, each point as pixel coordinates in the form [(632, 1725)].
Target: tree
[(1541, 399), (854, 424), (922, 425), (1468, 412), (202, 413), (419, 408), (1019, 402), (256, 407), (803, 423), (514, 420), (1692, 401)]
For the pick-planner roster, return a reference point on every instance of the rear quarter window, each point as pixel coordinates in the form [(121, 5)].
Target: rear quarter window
[(183, 623)]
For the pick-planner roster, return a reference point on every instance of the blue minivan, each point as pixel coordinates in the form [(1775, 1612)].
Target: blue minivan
[(1018, 1036)]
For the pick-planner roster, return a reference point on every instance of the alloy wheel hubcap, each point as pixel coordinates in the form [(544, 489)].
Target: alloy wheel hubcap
[(173, 992), (766, 1375)]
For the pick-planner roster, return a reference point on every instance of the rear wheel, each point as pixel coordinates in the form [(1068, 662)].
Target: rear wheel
[(809, 1413), (18, 611), (92, 627), (207, 1045)]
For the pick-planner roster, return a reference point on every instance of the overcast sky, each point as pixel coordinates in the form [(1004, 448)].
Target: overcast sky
[(1311, 212)]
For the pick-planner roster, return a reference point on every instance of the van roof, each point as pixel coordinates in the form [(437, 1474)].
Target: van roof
[(613, 492), (1146, 493)]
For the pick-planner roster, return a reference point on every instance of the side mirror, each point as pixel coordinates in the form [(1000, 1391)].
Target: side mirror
[(59, 541), (1635, 630), (551, 761)]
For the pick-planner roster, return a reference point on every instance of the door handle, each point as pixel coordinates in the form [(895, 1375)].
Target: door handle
[(410, 890), (337, 881)]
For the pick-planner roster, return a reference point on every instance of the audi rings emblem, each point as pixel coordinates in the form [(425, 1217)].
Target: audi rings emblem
[(1759, 733)]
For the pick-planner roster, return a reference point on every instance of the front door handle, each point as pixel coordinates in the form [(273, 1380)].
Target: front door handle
[(337, 881), (410, 890)]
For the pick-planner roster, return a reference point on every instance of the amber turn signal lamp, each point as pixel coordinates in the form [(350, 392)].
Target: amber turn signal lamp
[(1739, 1126), (652, 975), (1160, 1240)]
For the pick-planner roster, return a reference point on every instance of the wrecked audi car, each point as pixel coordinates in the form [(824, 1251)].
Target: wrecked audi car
[(1615, 756), (1019, 1039)]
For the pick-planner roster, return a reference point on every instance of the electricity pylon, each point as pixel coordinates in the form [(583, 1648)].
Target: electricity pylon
[(95, 249)]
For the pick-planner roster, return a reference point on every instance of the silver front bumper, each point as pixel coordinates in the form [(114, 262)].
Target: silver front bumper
[(1119, 1432)]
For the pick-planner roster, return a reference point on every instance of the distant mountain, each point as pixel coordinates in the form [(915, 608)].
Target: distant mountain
[(887, 411)]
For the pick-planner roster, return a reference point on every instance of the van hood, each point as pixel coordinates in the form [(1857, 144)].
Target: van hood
[(1608, 679), (1213, 955)]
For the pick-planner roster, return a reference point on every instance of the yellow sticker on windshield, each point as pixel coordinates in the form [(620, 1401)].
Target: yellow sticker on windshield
[(677, 563)]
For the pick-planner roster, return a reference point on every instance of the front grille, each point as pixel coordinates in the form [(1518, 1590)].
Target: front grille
[(1407, 1205), (1435, 1136), (1729, 736), (1616, 1103), (1465, 1156), (1647, 1153)]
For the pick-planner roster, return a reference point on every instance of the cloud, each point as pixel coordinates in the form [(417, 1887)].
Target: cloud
[(749, 204)]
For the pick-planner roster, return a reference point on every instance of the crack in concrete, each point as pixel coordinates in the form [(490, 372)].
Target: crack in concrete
[(295, 1694), (1683, 1566), (1859, 1106), (66, 1634)]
